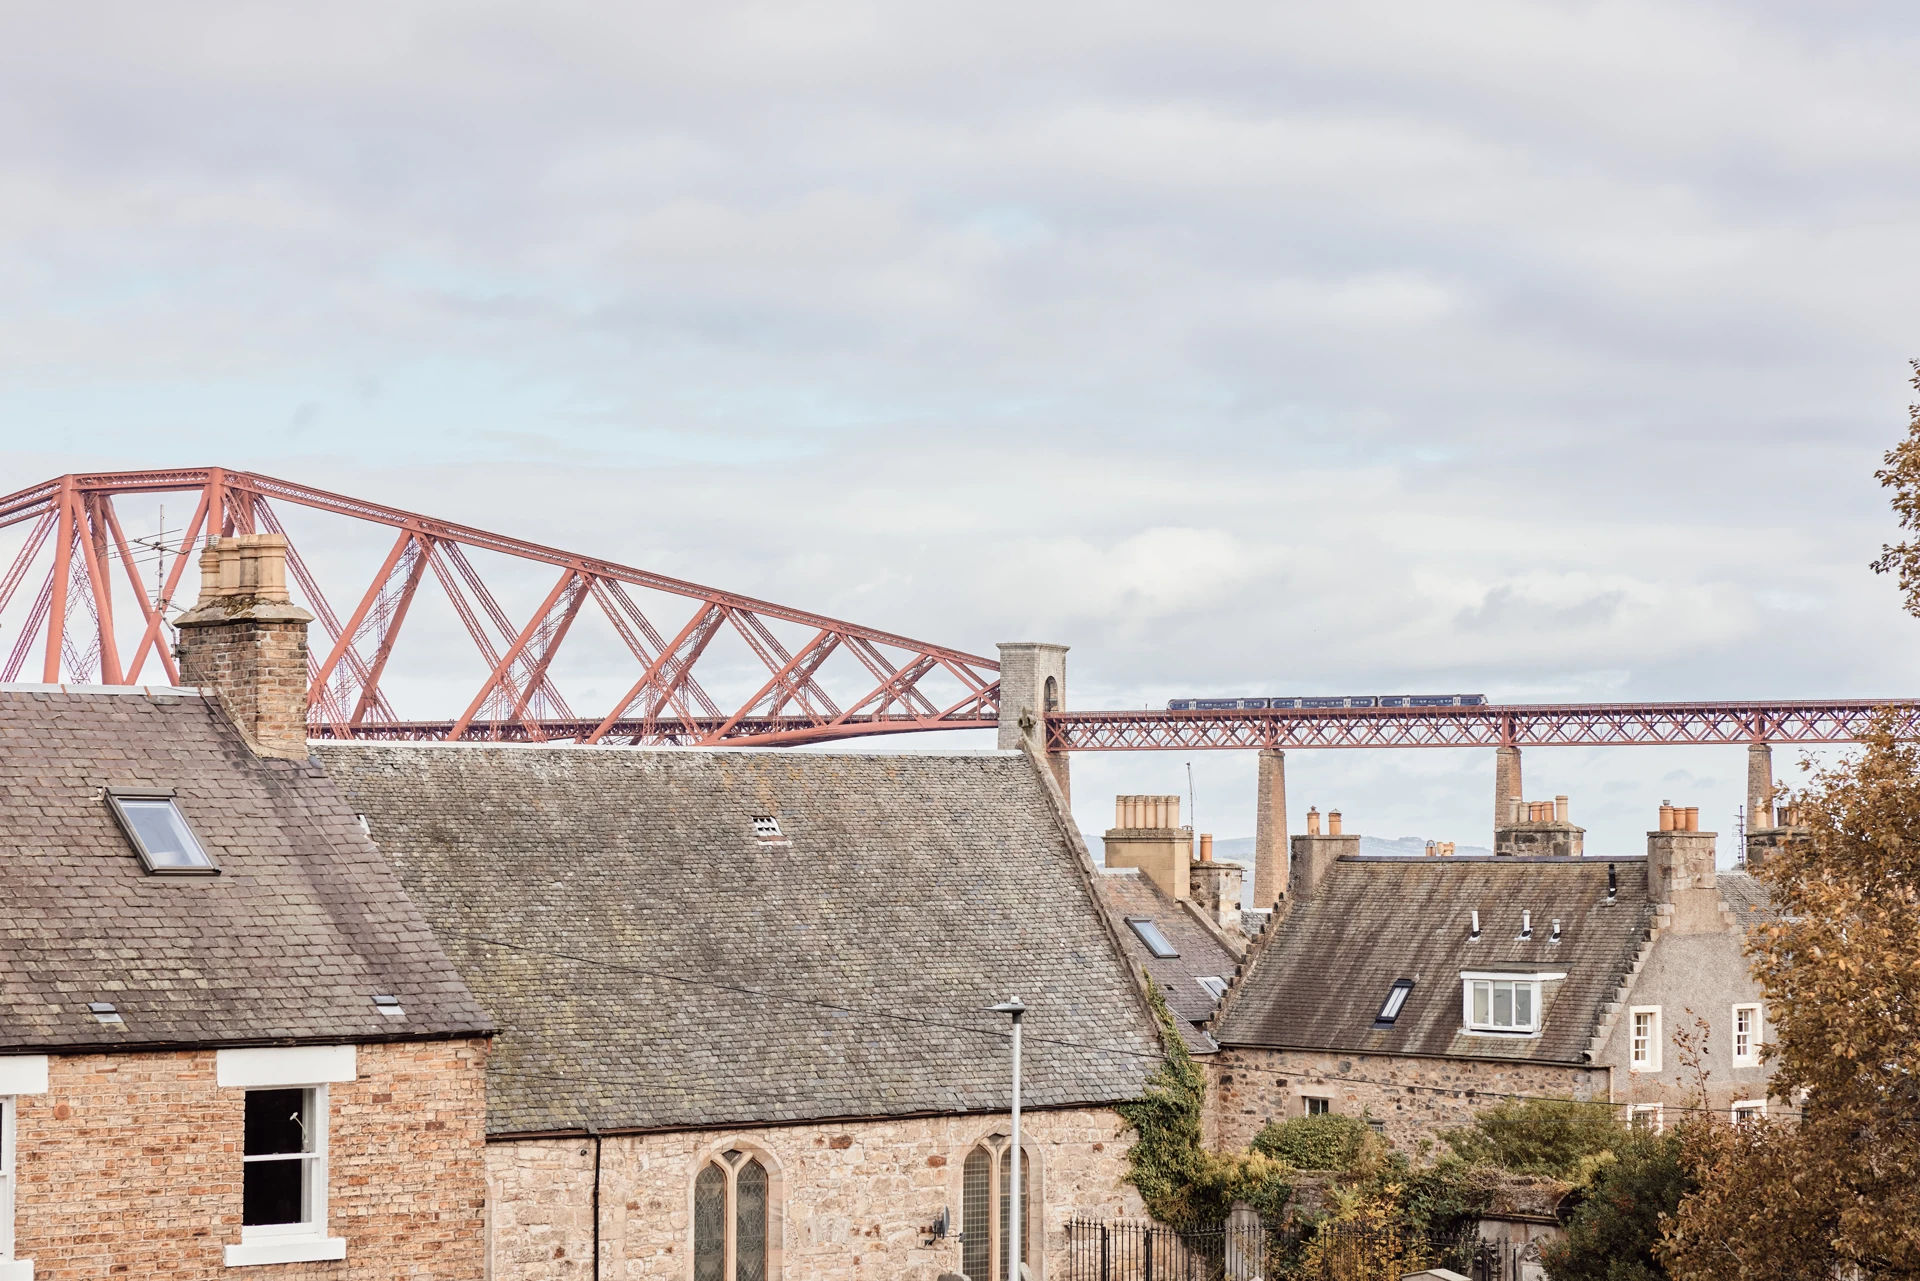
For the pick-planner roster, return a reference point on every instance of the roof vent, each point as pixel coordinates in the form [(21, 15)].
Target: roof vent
[(105, 1013), (1555, 936), (1526, 925), (1476, 926), (389, 1006)]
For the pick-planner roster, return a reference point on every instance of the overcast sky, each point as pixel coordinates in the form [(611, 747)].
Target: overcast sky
[(1545, 351)]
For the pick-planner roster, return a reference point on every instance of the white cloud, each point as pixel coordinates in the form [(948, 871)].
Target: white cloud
[(1544, 350)]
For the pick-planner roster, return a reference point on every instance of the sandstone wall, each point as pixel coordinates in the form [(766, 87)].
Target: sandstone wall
[(129, 1166), (850, 1200), (1414, 1098)]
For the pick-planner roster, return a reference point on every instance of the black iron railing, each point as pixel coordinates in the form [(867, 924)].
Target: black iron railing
[(1133, 1251)]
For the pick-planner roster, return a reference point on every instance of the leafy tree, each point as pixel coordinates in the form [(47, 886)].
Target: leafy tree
[(1323, 1142), (1902, 475), (1612, 1234), (1562, 1138), (1838, 1192)]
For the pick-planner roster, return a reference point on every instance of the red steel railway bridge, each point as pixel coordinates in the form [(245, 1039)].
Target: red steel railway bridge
[(93, 615)]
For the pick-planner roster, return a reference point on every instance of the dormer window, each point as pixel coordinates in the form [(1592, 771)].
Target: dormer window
[(1390, 1008), (1502, 1004), (1150, 935), (159, 832), (766, 828)]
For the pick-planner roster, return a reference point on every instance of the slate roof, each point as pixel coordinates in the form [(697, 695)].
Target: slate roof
[(1127, 893), (1328, 964), (654, 966), (1745, 895), (304, 925)]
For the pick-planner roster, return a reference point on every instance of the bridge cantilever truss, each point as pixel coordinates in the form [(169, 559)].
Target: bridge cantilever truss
[(71, 628), (886, 683), (1495, 725)]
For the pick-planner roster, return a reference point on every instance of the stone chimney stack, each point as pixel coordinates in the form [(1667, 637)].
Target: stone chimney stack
[(1146, 834), (246, 641), (1681, 874), (1313, 854)]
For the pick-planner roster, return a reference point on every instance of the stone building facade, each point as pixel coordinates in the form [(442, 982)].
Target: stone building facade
[(703, 999), (1410, 1098), (851, 1199)]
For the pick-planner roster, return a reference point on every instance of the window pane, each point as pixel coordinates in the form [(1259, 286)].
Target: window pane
[(276, 1122), (1319, 1107), (1523, 1005), (1482, 1011), (164, 834), (975, 1250), (750, 1223), (710, 1225), (1503, 1005), (273, 1191), (1150, 935)]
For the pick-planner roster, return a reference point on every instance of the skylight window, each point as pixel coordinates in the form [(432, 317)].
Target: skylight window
[(390, 1007), (104, 1012), (1150, 935), (1213, 985), (160, 835), (1396, 998)]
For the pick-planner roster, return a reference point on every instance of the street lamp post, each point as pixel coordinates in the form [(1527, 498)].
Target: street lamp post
[(1015, 1223)]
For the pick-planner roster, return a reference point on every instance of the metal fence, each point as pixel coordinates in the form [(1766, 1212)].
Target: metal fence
[(1130, 1251)]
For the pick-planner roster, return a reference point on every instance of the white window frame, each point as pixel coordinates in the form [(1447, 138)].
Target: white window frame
[(1308, 1100), (292, 1068), (1750, 1057), (1654, 1111), (1755, 1108), (1649, 1062), (20, 1074), (1536, 981)]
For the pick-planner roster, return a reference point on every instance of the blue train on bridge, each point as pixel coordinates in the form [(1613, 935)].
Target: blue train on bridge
[(1333, 702)]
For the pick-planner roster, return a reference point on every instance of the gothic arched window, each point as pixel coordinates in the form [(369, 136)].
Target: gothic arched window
[(730, 1219), (985, 1186)]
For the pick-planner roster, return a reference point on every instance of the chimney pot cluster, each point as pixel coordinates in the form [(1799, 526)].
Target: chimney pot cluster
[(1553, 811), (1439, 849), (1141, 812), (1679, 818)]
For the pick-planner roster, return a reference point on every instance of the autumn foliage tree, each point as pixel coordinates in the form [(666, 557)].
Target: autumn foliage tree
[(1834, 1192)]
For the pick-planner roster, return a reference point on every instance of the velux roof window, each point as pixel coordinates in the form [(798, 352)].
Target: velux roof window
[(159, 832), (1150, 935), (1396, 998)]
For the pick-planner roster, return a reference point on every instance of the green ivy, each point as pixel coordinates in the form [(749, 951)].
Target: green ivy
[(1181, 1183)]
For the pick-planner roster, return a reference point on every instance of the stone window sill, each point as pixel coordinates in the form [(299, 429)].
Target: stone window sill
[(16, 1270), (285, 1250)]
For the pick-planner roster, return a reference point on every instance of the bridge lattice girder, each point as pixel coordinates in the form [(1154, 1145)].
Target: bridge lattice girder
[(71, 627)]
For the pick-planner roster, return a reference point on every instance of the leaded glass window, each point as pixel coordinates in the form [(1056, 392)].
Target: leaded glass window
[(732, 1206), (976, 1192), (710, 1225), (985, 1187)]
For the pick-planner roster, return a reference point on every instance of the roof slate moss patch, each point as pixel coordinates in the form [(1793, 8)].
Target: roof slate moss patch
[(290, 942), (655, 966), (1321, 978)]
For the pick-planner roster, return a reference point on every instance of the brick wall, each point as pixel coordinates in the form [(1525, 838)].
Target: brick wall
[(852, 1197), (129, 1166), (1415, 1098), (260, 669)]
